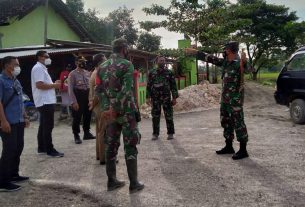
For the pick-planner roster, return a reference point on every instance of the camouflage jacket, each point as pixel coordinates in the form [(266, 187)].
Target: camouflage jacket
[(116, 87), (161, 84), (232, 78)]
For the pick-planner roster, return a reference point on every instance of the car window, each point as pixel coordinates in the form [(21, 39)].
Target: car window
[(297, 63)]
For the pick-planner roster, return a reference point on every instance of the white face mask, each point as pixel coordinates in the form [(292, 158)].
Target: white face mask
[(48, 61), (16, 71)]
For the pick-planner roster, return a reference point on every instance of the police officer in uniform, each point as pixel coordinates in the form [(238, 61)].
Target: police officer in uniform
[(78, 87), (231, 106)]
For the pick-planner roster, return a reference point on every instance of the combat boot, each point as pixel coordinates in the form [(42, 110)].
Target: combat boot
[(228, 149), (242, 153), (132, 169), (77, 139), (112, 183), (88, 135)]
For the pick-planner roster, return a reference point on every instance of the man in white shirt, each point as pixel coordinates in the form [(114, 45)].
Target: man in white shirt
[(43, 90)]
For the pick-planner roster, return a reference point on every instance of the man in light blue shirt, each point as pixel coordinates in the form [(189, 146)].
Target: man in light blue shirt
[(12, 122)]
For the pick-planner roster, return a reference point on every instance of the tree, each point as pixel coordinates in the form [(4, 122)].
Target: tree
[(75, 6), (266, 29), (118, 23), (123, 24), (149, 42)]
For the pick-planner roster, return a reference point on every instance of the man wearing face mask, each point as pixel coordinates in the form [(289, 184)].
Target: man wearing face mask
[(12, 122), (116, 93), (162, 92), (231, 106), (78, 88), (43, 90)]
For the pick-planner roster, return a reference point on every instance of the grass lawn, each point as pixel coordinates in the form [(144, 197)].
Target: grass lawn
[(267, 79)]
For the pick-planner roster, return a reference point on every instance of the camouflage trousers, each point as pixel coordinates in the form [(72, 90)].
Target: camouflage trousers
[(128, 126), (232, 119), (168, 113)]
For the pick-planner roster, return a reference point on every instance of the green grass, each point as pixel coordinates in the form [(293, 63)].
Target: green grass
[(267, 79)]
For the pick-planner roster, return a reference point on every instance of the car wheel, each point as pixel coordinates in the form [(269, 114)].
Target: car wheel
[(297, 111)]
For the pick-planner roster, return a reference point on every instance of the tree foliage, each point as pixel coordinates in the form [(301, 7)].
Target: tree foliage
[(268, 31), (149, 42), (119, 23)]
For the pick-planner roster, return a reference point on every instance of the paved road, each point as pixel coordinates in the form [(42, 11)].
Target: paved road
[(182, 172)]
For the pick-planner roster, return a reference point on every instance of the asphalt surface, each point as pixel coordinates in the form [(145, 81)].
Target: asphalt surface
[(182, 172)]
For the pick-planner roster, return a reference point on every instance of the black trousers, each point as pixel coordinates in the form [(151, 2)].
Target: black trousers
[(11, 151), (46, 125), (82, 97)]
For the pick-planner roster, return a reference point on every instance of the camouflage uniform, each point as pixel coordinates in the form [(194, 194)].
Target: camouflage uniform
[(116, 91), (231, 108), (160, 87)]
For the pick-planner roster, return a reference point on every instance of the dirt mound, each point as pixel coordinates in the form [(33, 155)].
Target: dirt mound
[(192, 98)]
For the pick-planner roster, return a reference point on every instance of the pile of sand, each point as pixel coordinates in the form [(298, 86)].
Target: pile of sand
[(193, 98)]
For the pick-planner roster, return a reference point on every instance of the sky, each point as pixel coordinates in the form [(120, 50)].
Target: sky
[(170, 39)]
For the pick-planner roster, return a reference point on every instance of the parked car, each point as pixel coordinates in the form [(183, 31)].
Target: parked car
[(290, 86)]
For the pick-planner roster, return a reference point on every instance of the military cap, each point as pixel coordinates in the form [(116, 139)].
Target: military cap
[(80, 58), (233, 46), (120, 42)]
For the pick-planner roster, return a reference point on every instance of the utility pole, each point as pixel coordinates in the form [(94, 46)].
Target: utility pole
[(46, 22)]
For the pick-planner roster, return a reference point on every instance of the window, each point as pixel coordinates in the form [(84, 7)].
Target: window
[(297, 63)]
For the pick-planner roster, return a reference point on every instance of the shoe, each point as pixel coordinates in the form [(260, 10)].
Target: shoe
[(242, 152), (155, 137), (170, 136), (19, 179), (77, 139), (41, 152), (228, 149), (132, 170), (9, 187), (113, 183), (55, 153), (88, 135)]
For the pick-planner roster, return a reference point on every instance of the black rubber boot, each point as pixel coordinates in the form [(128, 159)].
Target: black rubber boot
[(228, 149), (88, 135), (132, 169), (242, 153), (77, 139), (113, 183)]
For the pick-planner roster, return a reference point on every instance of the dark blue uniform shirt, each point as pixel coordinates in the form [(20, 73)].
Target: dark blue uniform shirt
[(14, 110)]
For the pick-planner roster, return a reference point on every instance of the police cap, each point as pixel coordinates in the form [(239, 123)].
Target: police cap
[(233, 46), (80, 59), (120, 42)]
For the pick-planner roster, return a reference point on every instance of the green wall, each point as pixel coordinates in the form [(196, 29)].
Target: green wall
[(30, 29)]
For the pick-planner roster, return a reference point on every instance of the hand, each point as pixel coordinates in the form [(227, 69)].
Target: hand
[(243, 57), (56, 85), (91, 106), (27, 122), (190, 51), (75, 106), (148, 101), (174, 102), (5, 127)]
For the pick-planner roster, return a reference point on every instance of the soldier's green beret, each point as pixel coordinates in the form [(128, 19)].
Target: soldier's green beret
[(120, 42), (233, 46)]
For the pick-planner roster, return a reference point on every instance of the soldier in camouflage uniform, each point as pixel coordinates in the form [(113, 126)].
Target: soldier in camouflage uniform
[(118, 104), (161, 87), (231, 108)]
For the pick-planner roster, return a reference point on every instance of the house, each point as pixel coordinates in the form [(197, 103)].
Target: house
[(22, 23), (22, 34)]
